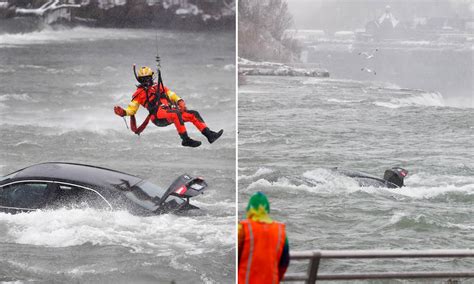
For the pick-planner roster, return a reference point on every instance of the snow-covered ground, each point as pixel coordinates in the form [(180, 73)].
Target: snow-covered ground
[(248, 67)]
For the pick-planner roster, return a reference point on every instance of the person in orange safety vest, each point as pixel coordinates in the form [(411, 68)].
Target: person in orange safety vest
[(263, 245), (165, 108)]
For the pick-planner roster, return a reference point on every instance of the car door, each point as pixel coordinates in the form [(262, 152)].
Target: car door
[(24, 196), (76, 196)]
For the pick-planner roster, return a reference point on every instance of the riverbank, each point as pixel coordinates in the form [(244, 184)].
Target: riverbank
[(254, 68), (126, 14)]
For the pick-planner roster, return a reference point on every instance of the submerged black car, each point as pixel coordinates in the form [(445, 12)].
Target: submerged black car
[(53, 185), (392, 178)]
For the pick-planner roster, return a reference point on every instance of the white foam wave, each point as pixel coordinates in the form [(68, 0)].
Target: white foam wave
[(318, 81), (16, 97), (397, 217), (162, 235), (27, 143), (384, 85), (89, 84), (229, 67), (50, 70), (324, 181), (427, 187), (30, 66), (330, 180), (429, 179), (425, 99), (99, 119), (387, 105), (460, 226), (77, 34), (400, 217), (321, 181), (110, 69), (343, 101), (265, 185), (225, 204), (258, 173), (430, 186)]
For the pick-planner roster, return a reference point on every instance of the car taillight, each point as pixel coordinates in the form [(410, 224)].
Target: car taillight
[(182, 190)]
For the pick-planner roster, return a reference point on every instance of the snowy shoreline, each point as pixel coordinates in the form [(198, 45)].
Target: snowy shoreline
[(253, 68), (121, 14)]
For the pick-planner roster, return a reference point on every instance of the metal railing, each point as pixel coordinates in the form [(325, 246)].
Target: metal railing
[(314, 257)]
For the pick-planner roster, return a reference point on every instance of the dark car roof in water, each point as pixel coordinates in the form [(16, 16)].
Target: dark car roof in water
[(356, 174), (78, 173), (366, 179)]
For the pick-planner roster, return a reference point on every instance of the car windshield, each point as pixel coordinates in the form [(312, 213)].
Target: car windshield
[(151, 189), (148, 195)]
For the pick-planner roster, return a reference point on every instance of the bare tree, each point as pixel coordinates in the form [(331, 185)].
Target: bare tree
[(279, 19), (262, 26)]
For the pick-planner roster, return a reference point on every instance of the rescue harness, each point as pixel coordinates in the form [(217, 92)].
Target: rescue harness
[(153, 102)]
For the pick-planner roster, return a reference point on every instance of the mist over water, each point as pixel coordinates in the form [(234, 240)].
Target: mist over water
[(431, 57), (57, 92), (446, 70), (336, 15)]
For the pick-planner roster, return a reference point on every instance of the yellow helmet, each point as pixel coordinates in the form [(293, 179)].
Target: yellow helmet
[(145, 72)]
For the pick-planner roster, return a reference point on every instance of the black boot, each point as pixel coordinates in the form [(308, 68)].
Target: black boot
[(188, 141), (211, 135)]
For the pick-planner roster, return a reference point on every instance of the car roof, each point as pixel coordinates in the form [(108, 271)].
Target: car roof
[(78, 173)]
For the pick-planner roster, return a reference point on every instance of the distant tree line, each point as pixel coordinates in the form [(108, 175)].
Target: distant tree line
[(262, 26), (193, 14)]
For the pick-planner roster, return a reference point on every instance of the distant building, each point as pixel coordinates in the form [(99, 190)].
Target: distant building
[(443, 28), (387, 19), (442, 23), (386, 26)]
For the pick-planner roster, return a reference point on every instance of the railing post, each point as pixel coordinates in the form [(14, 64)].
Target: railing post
[(313, 267)]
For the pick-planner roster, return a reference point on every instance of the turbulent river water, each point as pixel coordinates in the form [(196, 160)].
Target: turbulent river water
[(57, 91), (293, 130)]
